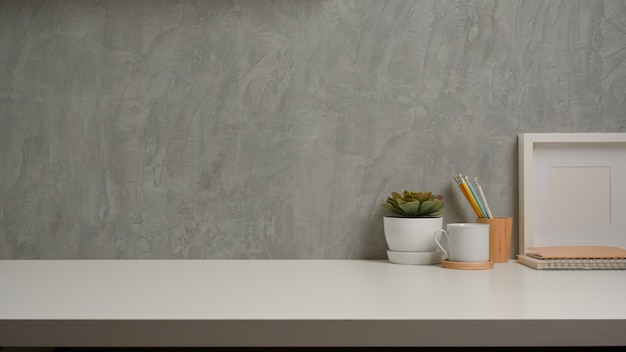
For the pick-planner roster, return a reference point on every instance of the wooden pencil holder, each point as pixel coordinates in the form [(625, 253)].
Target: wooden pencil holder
[(499, 238)]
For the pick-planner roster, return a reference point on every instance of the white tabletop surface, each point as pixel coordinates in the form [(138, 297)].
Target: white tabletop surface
[(163, 296)]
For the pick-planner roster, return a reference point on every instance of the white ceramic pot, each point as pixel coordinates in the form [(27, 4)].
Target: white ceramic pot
[(411, 234)]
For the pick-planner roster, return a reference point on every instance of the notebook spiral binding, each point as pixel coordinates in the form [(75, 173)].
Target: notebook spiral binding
[(585, 264)]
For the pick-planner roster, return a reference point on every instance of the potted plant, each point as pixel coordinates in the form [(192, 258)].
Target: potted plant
[(414, 218)]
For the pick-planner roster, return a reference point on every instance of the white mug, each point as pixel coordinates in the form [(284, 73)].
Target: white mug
[(465, 242)]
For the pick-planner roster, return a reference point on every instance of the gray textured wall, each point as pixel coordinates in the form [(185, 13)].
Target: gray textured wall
[(273, 129)]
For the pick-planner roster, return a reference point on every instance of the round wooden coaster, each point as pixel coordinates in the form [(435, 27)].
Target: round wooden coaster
[(467, 265)]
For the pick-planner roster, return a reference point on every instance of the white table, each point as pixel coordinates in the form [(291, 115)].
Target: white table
[(92, 303)]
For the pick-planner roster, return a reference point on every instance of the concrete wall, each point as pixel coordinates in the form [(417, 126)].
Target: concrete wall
[(274, 129)]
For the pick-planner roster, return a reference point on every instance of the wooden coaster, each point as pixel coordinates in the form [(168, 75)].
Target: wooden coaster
[(467, 265)]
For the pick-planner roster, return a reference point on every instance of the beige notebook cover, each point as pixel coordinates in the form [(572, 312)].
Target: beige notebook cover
[(576, 252)]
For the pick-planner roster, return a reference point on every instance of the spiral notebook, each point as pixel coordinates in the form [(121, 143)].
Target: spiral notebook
[(574, 258)]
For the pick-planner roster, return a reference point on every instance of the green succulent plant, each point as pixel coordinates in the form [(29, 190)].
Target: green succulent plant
[(414, 204)]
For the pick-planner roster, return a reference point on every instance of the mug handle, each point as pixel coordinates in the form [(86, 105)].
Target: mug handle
[(445, 253)]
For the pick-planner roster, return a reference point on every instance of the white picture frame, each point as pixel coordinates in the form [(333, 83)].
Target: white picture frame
[(572, 189)]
